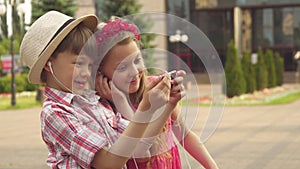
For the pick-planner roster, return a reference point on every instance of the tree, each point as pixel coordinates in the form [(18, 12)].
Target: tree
[(249, 73), (235, 81), (40, 7), (5, 46), (5, 41), (121, 8), (261, 71), (269, 58), (16, 24), (279, 62)]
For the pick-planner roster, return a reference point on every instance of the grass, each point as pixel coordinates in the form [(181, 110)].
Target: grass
[(274, 96), (23, 100), (286, 99)]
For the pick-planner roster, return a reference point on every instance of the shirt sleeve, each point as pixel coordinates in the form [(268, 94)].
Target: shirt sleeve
[(121, 122), (73, 137)]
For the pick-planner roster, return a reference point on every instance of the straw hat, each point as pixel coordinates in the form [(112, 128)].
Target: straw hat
[(43, 37)]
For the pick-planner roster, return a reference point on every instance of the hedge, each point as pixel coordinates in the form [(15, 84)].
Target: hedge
[(21, 82)]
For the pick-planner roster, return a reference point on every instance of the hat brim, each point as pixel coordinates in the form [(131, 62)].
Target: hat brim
[(90, 21)]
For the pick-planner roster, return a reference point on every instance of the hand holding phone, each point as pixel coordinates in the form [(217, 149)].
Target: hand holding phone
[(172, 74)]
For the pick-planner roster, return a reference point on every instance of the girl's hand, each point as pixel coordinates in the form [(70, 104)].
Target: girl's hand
[(156, 94), (177, 90), (102, 87), (121, 102)]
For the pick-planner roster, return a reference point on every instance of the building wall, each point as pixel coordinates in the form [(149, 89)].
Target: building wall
[(159, 26), (85, 7)]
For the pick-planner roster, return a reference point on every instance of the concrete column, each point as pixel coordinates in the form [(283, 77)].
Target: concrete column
[(237, 29)]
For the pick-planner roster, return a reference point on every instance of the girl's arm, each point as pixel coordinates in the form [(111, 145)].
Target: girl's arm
[(192, 143), (118, 154), (198, 150), (177, 93)]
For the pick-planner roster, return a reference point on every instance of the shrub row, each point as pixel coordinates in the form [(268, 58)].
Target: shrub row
[(21, 82), (242, 76)]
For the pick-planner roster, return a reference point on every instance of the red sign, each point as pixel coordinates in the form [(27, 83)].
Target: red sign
[(6, 64)]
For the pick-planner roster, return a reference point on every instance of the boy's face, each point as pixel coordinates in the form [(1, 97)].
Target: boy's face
[(72, 71), (124, 65)]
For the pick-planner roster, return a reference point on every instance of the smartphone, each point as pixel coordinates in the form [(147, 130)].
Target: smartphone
[(172, 74)]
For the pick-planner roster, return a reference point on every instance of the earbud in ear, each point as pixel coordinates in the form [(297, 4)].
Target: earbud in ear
[(49, 63)]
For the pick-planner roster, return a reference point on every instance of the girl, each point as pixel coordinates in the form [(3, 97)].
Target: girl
[(122, 64)]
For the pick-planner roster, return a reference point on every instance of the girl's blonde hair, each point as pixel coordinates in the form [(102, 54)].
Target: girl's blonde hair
[(137, 96)]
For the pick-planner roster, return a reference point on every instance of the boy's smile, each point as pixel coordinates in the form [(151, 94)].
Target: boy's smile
[(71, 72)]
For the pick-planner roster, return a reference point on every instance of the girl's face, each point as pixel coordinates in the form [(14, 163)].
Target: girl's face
[(124, 65), (72, 72)]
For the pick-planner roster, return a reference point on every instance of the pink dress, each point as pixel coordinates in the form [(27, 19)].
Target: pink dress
[(168, 159)]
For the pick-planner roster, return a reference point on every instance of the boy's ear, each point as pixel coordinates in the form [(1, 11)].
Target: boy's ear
[(47, 66)]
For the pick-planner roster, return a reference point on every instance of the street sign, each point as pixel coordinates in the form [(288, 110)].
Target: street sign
[(7, 64)]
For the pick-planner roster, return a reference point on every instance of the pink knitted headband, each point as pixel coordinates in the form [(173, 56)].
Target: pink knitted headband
[(112, 28)]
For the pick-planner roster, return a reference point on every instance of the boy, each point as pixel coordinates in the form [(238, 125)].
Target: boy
[(78, 132)]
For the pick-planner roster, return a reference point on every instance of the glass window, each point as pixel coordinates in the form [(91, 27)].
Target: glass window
[(263, 2), (179, 8), (268, 27), (258, 28), (297, 28), (274, 26), (284, 26)]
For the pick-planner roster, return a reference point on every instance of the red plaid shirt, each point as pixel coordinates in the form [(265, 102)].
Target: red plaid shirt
[(74, 129)]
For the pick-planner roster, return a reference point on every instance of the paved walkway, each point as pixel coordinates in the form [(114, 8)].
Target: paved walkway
[(261, 137)]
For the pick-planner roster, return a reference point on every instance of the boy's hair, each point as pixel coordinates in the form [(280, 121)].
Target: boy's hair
[(79, 41)]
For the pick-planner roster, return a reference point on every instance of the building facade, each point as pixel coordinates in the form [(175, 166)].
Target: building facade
[(269, 24), (252, 24)]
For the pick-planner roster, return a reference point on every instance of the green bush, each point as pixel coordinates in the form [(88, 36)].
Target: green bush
[(28, 86), (249, 73), (270, 65), (279, 64), (6, 84), (21, 83), (261, 71), (235, 81)]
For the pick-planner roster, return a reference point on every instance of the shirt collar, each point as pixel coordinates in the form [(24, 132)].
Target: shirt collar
[(89, 96), (59, 96)]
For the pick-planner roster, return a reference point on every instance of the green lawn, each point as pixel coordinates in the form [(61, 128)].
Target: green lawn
[(286, 99), (279, 95), (23, 100)]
